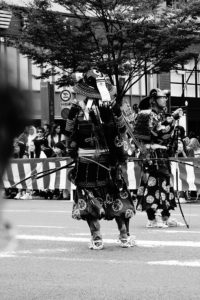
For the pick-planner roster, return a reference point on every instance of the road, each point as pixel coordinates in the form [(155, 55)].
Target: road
[(52, 260)]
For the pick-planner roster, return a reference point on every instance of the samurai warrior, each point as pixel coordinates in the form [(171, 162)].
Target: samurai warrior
[(154, 129), (94, 129)]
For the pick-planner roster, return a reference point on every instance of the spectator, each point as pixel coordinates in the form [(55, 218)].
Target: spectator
[(56, 136), (16, 149), (32, 133), (195, 146), (47, 130), (60, 150), (31, 150), (194, 151), (181, 151), (41, 144)]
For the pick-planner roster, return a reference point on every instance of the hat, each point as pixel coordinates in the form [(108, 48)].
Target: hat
[(154, 93), (144, 104), (87, 86), (60, 146)]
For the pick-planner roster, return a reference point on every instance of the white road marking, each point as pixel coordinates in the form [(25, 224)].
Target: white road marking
[(30, 255), (7, 254), (42, 250), (37, 211), (41, 226), (177, 231), (192, 263), (70, 259), (80, 234), (141, 243)]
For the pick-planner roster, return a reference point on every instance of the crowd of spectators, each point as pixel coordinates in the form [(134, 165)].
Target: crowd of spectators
[(50, 141), (39, 142)]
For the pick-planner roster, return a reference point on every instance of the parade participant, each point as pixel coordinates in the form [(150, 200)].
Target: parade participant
[(13, 118), (154, 129), (93, 141)]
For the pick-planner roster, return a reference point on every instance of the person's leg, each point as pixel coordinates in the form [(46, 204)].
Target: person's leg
[(151, 214), (170, 222), (165, 214), (125, 240), (96, 240), (127, 221), (155, 219), (151, 218)]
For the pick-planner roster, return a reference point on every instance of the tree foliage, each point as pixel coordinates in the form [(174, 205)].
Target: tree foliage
[(119, 37)]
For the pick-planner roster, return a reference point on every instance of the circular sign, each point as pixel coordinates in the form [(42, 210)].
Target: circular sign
[(64, 113), (65, 95)]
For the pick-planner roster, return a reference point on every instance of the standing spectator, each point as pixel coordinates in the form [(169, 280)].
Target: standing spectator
[(56, 136), (60, 151), (17, 152), (47, 130), (41, 144), (32, 133), (182, 148), (195, 146), (22, 141)]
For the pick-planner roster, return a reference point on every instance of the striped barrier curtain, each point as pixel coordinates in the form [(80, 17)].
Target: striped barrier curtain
[(188, 176), (20, 169), (5, 19)]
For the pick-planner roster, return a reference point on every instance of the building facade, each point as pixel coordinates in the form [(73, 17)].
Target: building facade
[(47, 101)]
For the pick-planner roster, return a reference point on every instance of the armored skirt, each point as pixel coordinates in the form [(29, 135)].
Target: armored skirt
[(156, 190), (100, 193)]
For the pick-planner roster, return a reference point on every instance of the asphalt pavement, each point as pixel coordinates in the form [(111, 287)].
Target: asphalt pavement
[(52, 259)]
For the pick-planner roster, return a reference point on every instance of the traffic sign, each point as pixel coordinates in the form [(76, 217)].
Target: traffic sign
[(65, 95)]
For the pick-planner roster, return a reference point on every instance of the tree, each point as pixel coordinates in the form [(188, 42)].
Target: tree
[(119, 37)]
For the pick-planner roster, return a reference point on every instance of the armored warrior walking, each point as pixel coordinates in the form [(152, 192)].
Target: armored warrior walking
[(154, 129), (94, 129)]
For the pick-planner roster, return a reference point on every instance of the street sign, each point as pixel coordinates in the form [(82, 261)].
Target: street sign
[(65, 95)]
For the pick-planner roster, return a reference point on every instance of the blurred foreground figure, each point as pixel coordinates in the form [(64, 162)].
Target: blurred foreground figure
[(95, 143), (13, 118)]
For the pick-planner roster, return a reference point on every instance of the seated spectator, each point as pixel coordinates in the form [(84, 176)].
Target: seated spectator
[(60, 150), (31, 150)]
